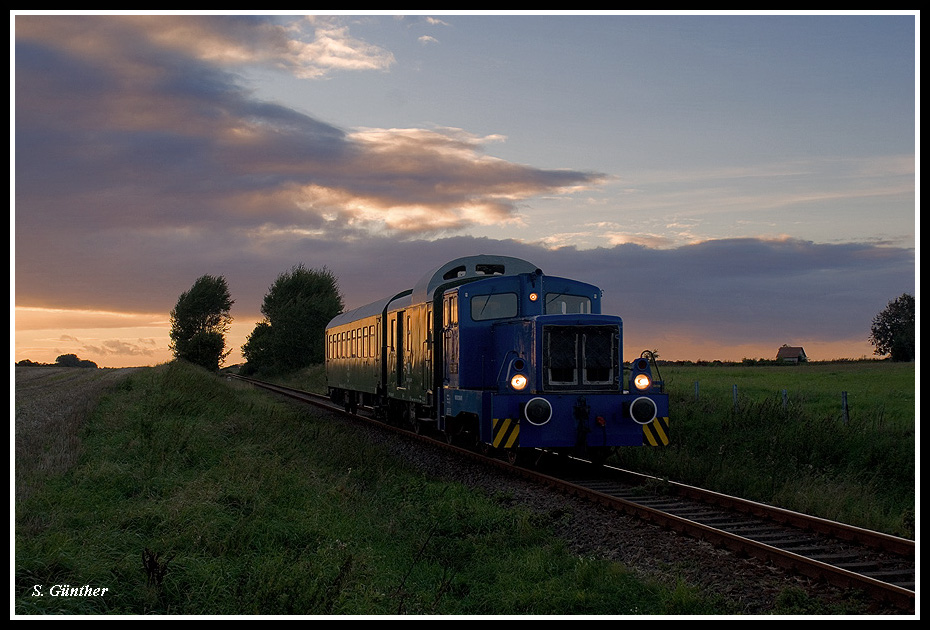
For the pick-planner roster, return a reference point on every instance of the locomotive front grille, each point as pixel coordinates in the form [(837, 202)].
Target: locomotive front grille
[(581, 357)]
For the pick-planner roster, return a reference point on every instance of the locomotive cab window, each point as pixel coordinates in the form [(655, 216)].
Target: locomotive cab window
[(495, 306), (564, 304)]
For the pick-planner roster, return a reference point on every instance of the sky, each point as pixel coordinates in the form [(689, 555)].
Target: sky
[(732, 182)]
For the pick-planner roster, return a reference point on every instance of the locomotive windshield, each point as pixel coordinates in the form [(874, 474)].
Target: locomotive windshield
[(495, 306), (565, 304)]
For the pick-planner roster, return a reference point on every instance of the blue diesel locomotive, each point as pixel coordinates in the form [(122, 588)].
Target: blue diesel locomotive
[(490, 350)]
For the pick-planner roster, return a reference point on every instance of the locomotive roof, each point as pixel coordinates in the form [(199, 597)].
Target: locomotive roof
[(478, 266)]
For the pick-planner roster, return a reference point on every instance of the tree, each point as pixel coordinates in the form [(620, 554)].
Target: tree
[(297, 308), (893, 329), (258, 349), (72, 360), (200, 321)]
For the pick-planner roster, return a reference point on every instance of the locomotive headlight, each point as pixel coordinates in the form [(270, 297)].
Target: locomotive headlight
[(642, 381), (518, 382)]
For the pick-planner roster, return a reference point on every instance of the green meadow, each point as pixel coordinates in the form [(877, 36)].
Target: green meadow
[(782, 435)]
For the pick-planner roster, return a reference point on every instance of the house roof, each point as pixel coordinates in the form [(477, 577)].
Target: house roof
[(790, 352)]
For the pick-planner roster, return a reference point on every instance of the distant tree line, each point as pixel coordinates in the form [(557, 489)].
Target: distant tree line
[(64, 360), (297, 308)]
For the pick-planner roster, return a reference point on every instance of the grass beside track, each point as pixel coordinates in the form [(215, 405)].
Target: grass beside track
[(786, 441), (194, 495)]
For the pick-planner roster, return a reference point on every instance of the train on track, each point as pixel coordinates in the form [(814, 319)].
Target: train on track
[(490, 351)]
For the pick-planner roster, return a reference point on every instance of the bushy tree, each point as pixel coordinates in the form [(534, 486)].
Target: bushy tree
[(200, 321), (258, 350), (893, 329), (297, 308), (72, 360)]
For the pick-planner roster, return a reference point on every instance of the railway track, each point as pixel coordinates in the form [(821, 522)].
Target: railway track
[(842, 555), (880, 565)]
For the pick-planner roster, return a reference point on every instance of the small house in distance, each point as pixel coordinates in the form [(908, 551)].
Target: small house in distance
[(791, 354)]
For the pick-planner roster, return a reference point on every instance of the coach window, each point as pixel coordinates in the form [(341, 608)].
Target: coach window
[(450, 313), (495, 306)]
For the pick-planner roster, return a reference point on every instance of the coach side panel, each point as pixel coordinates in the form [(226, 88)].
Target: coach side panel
[(353, 356)]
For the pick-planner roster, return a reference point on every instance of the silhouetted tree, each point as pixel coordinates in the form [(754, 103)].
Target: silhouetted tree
[(258, 351), (297, 308), (200, 321), (893, 329), (72, 360)]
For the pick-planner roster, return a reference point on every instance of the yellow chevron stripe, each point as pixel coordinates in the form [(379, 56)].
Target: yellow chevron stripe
[(505, 433), (656, 432)]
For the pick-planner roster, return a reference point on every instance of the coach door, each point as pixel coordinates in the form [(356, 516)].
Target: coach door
[(400, 355), (450, 339)]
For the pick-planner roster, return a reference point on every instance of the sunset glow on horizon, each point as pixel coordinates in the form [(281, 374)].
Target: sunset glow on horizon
[(116, 340)]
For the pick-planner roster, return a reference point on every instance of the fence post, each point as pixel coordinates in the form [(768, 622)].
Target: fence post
[(784, 400), (696, 387), (845, 409), (735, 403)]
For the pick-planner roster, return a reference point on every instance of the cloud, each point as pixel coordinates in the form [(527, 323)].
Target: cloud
[(118, 347), (310, 47), (134, 124), (715, 300), (728, 290)]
